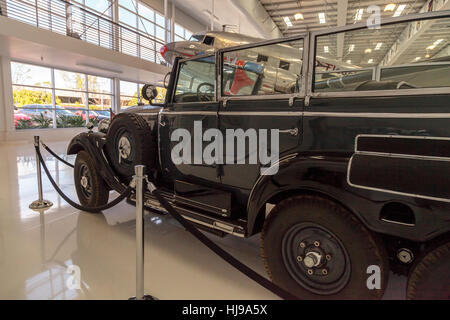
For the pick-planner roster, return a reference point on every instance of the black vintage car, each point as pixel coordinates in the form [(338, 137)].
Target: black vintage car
[(360, 182)]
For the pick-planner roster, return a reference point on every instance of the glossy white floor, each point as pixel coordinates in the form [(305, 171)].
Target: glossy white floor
[(36, 249)]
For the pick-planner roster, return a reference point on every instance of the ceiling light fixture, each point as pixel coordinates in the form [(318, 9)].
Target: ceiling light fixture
[(298, 16), (378, 46), (435, 44), (322, 18), (287, 21), (349, 61), (326, 49), (368, 50), (370, 61), (359, 14), (390, 7), (417, 58), (351, 48), (399, 10)]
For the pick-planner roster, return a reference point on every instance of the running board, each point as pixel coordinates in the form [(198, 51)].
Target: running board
[(195, 217)]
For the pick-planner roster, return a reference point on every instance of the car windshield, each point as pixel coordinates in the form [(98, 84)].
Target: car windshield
[(196, 80), (197, 37)]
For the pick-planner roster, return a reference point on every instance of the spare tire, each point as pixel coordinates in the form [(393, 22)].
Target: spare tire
[(130, 142)]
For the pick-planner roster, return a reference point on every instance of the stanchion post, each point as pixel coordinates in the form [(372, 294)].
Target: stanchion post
[(40, 203), (139, 181)]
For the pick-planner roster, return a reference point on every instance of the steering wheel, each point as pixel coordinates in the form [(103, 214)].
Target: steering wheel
[(205, 96)]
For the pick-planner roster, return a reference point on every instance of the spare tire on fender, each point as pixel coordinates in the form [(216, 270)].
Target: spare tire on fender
[(130, 142)]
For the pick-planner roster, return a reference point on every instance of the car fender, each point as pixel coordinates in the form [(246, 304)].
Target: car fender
[(93, 143), (315, 173)]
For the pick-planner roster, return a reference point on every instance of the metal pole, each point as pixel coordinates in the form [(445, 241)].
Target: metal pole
[(139, 180), (40, 203), (139, 170)]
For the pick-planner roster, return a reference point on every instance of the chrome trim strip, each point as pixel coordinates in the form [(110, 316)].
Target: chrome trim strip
[(397, 222), (189, 112), (215, 226), (376, 115), (386, 190), (380, 93), (263, 97), (153, 203), (261, 113), (396, 136), (315, 114), (190, 201), (403, 156), (159, 138)]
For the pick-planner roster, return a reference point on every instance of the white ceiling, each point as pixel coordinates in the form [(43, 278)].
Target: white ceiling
[(224, 12), (310, 9)]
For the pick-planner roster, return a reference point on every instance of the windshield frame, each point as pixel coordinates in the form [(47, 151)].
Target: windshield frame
[(180, 62)]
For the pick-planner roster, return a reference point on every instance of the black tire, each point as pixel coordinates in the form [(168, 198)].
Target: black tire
[(344, 246), (131, 129), (92, 190), (429, 278)]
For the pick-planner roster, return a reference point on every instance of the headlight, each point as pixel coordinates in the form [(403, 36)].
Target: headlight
[(103, 125)]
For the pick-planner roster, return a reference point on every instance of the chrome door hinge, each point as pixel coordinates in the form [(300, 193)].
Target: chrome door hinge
[(291, 101), (307, 100)]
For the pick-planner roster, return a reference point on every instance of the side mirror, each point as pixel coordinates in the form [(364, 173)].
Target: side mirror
[(149, 92), (166, 80)]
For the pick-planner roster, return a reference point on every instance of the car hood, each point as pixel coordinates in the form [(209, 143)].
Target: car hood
[(143, 109)]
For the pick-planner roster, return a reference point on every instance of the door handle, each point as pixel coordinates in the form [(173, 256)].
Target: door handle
[(162, 123), (292, 132)]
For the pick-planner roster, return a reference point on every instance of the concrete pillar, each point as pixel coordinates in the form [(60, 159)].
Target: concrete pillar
[(166, 21), (172, 23), (116, 29), (116, 87), (2, 103), (6, 97)]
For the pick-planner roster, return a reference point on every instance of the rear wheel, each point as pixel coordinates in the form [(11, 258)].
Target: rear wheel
[(316, 249), (429, 278), (90, 186)]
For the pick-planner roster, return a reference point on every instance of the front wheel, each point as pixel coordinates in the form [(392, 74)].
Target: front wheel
[(429, 278), (90, 186), (316, 249)]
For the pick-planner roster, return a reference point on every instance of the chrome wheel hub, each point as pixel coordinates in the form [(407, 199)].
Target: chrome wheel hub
[(312, 259), (124, 147), (84, 182)]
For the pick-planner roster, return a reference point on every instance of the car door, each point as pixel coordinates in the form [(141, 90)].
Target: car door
[(191, 110), (261, 92)]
